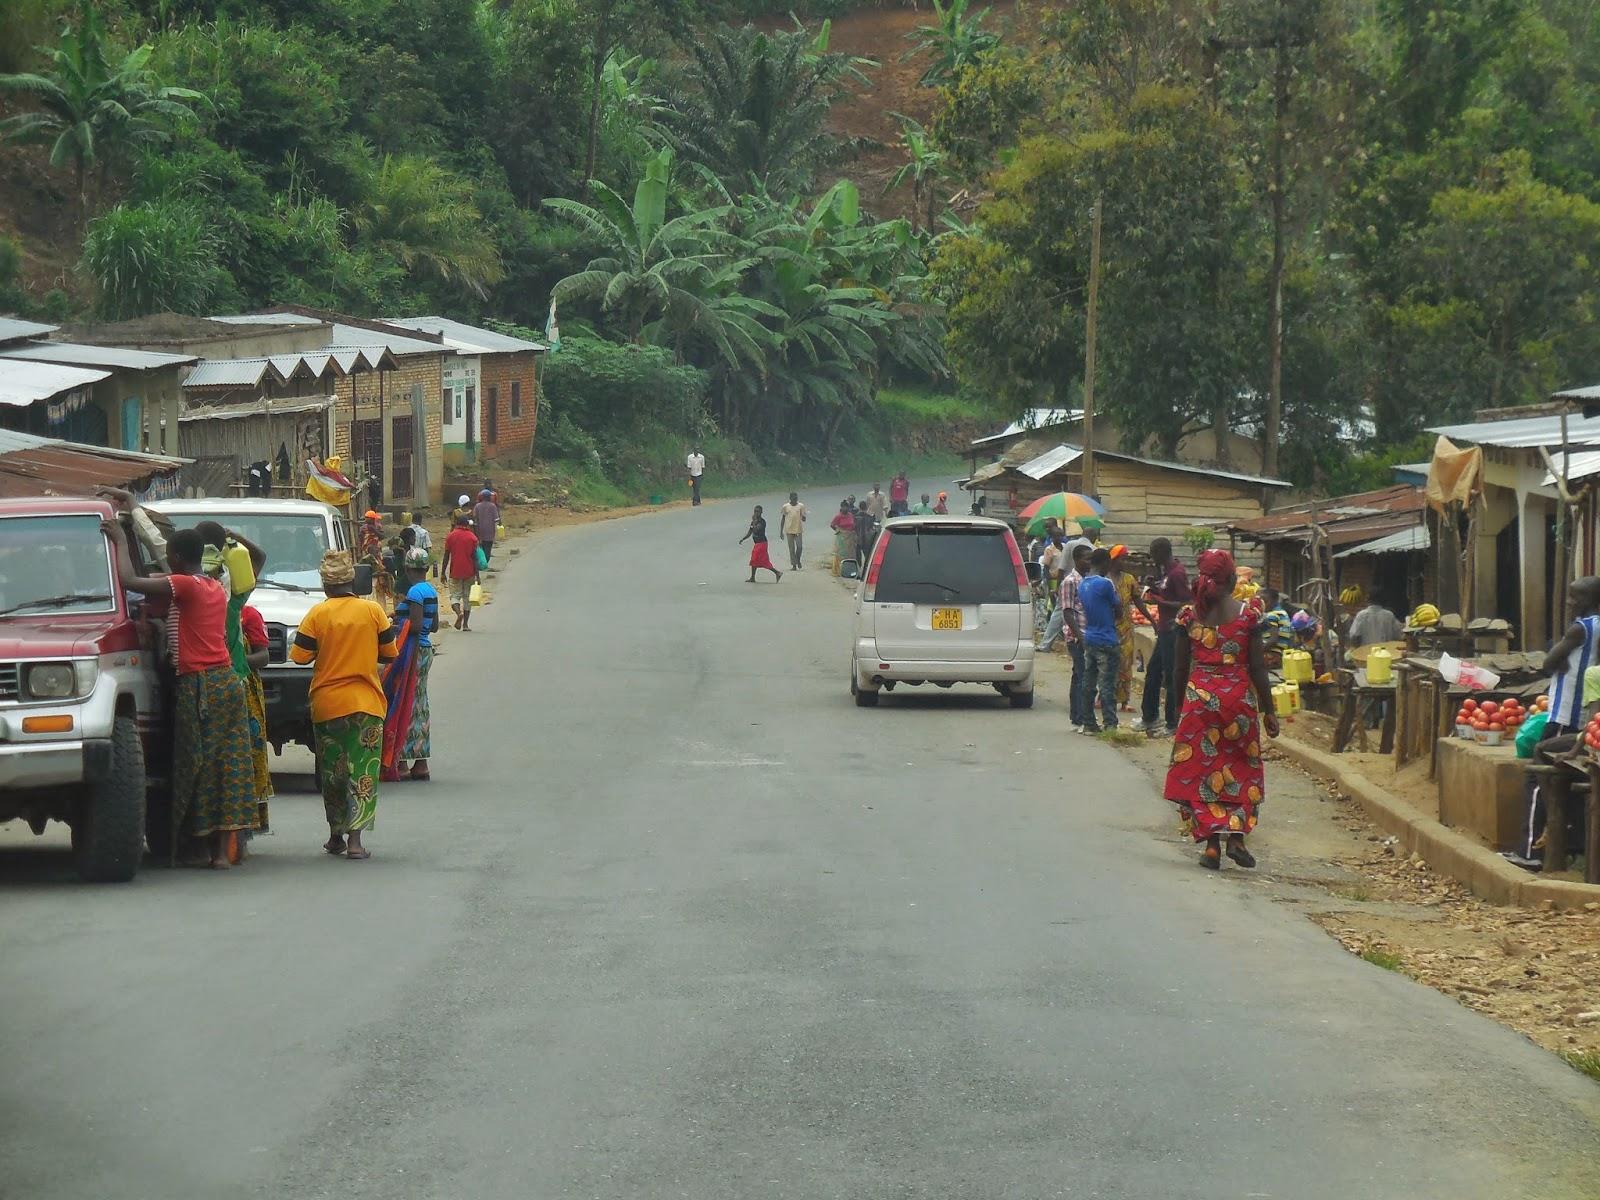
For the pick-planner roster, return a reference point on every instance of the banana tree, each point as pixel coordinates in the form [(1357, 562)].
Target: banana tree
[(653, 265), (91, 109), (924, 167)]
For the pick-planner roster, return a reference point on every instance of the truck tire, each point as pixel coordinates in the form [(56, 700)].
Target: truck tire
[(108, 830)]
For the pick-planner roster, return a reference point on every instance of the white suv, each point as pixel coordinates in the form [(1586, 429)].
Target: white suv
[(945, 600)]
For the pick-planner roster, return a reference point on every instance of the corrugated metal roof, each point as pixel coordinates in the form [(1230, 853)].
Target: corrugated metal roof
[(1293, 519), (1402, 541), (1583, 393), (232, 372), (78, 355), (1050, 462), (281, 368), (23, 382), (39, 466), (252, 408), (472, 339), (1581, 465), (14, 330), (350, 337), (1034, 418), (1525, 433)]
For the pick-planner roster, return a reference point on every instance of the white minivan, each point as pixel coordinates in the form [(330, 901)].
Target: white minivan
[(944, 600)]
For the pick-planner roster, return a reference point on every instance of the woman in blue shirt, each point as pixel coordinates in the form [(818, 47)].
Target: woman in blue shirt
[(407, 732)]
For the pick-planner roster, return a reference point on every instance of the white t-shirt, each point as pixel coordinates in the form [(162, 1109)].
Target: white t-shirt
[(697, 464), (794, 516)]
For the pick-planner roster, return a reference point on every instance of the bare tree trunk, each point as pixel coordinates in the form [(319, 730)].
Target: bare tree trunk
[(1271, 431), (602, 48)]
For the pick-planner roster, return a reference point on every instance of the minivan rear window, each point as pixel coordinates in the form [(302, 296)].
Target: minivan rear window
[(933, 564)]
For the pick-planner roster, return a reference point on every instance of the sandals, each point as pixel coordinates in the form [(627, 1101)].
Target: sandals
[(334, 845), (1211, 858), (360, 855), (1240, 855)]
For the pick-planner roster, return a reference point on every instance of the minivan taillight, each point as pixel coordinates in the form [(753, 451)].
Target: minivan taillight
[(1024, 589), (876, 565)]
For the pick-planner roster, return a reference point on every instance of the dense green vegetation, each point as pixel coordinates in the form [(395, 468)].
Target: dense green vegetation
[(667, 183), (1327, 222), (1414, 181)]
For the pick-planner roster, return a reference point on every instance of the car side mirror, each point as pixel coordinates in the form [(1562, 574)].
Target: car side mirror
[(1035, 572), (363, 580)]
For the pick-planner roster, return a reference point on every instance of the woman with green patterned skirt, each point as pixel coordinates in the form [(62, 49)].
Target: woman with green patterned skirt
[(213, 789), (248, 651), (343, 639)]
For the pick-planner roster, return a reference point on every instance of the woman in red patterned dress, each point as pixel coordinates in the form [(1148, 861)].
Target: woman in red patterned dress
[(1216, 778)]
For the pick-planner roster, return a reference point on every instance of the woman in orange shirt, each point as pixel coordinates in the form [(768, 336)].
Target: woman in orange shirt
[(343, 639)]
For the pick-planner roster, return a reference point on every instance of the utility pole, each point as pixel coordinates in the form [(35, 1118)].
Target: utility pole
[(1280, 107), (1280, 43), (1091, 325)]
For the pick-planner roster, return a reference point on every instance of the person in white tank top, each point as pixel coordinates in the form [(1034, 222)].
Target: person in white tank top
[(1574, 654)]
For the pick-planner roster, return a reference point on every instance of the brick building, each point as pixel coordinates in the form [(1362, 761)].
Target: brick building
[(388, 423), (491, 389)]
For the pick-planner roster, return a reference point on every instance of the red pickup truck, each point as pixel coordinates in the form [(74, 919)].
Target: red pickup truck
[(82, 731)]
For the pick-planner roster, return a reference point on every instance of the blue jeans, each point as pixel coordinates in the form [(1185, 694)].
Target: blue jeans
[(1075, 703), (1103, 664)]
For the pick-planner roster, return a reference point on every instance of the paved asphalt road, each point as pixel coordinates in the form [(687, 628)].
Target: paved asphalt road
[(678, 921)]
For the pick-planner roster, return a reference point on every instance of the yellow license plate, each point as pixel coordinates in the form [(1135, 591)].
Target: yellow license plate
[(947, 618)]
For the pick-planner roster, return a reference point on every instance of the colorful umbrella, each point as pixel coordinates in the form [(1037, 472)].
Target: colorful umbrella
[(1063, 506)]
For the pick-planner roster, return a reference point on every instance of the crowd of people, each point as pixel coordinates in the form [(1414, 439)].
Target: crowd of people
[(368, 691)]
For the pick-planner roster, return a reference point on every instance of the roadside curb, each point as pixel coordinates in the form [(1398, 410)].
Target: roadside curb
[(1442, 848)]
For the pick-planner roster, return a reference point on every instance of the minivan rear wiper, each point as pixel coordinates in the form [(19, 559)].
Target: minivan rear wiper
[(931, 583), (55, 602), (279, 583)]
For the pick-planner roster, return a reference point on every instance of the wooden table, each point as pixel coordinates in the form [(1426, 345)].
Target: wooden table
[(1556, 782), (1351, 726)]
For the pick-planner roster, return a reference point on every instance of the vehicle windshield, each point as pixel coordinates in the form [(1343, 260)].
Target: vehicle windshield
[(294, 543), (55, 565), (931, 564)]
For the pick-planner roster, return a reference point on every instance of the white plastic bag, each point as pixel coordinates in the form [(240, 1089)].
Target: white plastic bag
[(1468, 674)]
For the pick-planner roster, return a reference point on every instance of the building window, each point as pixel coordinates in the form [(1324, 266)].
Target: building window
[(449, 406), (516, 398)]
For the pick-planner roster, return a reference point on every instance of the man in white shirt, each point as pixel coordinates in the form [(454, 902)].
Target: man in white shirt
[(792, 520), (877, 504), (697, 468)]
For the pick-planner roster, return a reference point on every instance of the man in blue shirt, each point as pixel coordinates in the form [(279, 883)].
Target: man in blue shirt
[(1102, 648)]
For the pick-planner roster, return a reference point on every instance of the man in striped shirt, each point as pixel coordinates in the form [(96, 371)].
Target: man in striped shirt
[(1067, 622)]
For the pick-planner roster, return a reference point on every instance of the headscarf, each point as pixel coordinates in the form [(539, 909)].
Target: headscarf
[(336, 568), (465, 500), (417, 559), (1302, 622), (1215, 567), (1118, 551)]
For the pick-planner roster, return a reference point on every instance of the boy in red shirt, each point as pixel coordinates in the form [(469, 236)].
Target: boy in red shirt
[(461, 568)]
